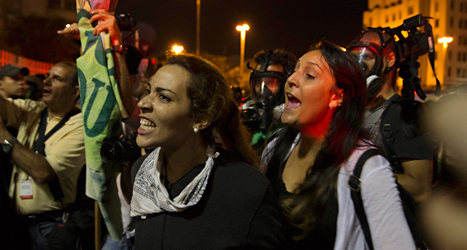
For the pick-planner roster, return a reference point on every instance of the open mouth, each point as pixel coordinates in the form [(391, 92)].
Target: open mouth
[(146, 124), (46, 91), (292, 101)]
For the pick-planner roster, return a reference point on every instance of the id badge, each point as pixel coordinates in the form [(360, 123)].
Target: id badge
[(25, 191)]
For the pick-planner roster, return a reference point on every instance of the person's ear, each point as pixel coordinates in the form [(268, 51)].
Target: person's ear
[(132, 79), (202, 124), (336, 99), (76, 92), (391, 59)]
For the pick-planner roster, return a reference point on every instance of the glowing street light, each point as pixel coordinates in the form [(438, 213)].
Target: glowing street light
[(242, 29), (445, 41), (177, 49)]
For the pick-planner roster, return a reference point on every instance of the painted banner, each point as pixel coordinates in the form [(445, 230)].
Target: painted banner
[(102, 110)]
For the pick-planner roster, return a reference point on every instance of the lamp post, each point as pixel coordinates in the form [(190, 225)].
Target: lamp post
[(198, 14), (242, 29), (445, 41)]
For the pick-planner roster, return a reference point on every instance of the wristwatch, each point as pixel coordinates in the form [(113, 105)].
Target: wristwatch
[(120, 48), (7, 145)]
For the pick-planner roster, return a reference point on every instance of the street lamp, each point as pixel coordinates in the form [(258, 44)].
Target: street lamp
[(445, 41), (442, 59), (198, 14), (177, 49), (242, 29)]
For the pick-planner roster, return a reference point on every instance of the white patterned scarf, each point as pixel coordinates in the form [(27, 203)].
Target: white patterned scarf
[(150, 196)]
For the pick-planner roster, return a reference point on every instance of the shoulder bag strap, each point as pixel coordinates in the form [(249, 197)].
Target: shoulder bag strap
[(389, 121), (355, 187), (39, 147)]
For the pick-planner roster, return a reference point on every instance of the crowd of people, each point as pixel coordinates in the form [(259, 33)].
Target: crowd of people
[(280, 171)]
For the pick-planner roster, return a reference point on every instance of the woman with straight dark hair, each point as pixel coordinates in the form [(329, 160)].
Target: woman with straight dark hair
[(197, 189), (309, 162)]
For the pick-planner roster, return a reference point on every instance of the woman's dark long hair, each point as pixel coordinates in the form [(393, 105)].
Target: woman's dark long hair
[(212, 99), (309, 199)]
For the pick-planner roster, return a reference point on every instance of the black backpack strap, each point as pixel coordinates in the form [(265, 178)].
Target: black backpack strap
[(355, 185), (390, 120)]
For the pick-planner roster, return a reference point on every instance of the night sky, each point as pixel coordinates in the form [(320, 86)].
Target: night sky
[(289, 24)]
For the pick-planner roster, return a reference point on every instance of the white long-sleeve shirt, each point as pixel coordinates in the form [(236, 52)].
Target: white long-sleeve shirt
[(381, 201)]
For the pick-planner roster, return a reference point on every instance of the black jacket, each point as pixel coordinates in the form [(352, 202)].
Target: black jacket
[(238, 211)]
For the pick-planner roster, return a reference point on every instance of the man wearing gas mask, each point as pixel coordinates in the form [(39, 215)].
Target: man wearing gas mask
[(408, 146), (267, 98)]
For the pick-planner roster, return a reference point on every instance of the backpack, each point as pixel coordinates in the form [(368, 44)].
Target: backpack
[(408, 203), (406, 111)]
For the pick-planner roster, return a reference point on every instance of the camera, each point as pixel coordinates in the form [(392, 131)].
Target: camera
[(121, 150), (126, 22), (257, 117), (407, 50), (417, 43)]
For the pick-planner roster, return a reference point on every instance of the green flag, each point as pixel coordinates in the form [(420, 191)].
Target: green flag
[(101, 109)]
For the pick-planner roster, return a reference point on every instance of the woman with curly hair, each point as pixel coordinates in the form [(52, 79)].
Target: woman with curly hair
[(198, 189)]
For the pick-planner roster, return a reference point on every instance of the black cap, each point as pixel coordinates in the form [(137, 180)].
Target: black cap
[(11, 70)]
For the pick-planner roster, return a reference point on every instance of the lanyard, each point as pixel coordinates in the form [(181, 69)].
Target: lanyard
[(39, 145)]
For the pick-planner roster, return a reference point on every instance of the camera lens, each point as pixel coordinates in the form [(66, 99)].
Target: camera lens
[(124, 149), (112, 152)]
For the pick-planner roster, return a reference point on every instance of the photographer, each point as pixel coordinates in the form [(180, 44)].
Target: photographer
[(266, 101), (376, 51), (48, 154)]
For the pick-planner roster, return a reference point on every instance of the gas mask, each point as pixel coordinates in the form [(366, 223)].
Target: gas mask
[(267, 88), (370, 57), (264, 88)]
